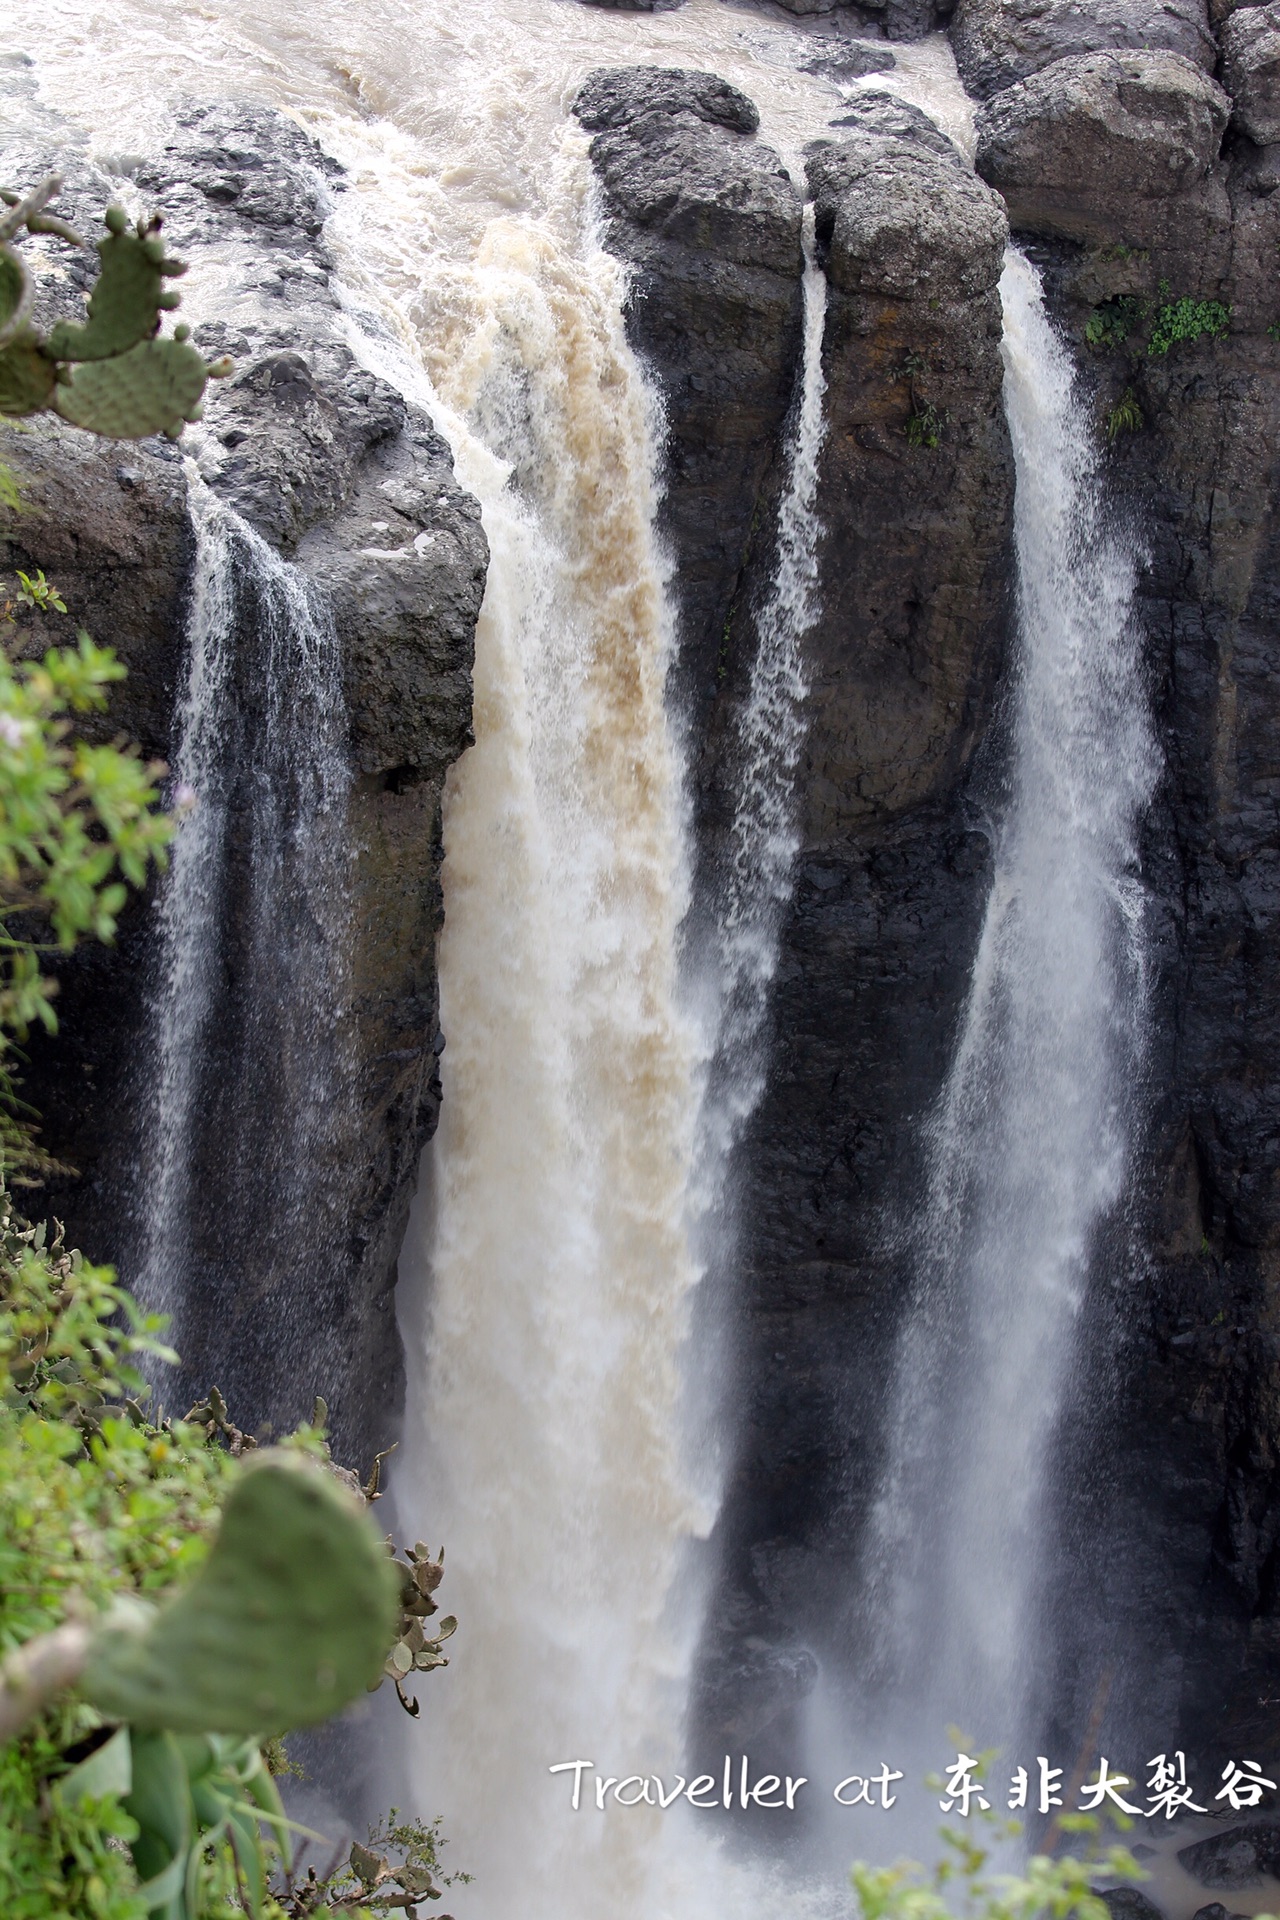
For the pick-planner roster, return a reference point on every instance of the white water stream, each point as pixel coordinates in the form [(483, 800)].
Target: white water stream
[(261, 749), (1030, 1140), (764, 838)]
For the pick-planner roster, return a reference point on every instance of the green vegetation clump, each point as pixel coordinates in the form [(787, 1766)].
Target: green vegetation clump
[(1188, 320), (925, 426), (1110, 325), (925, 422), (79, 825), (962, 1882), (134, 1779)]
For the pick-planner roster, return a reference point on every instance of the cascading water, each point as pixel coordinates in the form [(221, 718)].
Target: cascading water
[(559, 1249), (764, 838), (244, 1073), (1030, 1140)]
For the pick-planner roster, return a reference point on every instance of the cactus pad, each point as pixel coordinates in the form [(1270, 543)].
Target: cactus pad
[(127, 297), (153, 388), (16, 293), (110, 373), (27, 377), (289, 1618)]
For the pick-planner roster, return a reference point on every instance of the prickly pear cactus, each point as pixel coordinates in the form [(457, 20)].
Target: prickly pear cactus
[(109, 374), (288, 1620), (128, 295)]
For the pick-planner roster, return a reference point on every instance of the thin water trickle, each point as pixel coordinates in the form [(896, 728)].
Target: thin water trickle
[(765, 834), (242, 1077), (1030, 1141)]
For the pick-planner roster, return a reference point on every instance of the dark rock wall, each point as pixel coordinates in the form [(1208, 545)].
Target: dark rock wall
[(903, 666), (335, 471), (1134, 178), (892, 871)]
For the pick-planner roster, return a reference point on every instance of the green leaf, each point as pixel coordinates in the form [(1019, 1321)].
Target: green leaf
[(154, 388), (160, 1802), (124, 306), (27, 377), (109, 1769), (17, 292)]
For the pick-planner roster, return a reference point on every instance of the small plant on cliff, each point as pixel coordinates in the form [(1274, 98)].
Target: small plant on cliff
[(925, 426), (1186, 320), (1110, 325), (1125, 416), (925, 423)]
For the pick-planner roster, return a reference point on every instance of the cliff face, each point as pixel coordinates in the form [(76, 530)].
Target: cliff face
[(1109, 137), (903, 667), (1117, 171), (333, 469)]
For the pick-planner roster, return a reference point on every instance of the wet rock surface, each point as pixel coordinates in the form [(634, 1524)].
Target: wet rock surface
[(1112, 148), (1251, 70), (332, 468), (1233, 1860), (1131, 1903), (998, 42), (896, 19), (892, 873), (1110, 160), (1154, 233), (915, 496)]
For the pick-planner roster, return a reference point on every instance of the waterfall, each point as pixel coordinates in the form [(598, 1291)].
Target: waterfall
[(243, 1067), (546, 1440), (543, 1441), (1029, 1142), (764, 837)]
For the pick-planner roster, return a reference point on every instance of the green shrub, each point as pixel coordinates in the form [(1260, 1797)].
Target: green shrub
[(963, 1883), (79, 824), (1187, 320)]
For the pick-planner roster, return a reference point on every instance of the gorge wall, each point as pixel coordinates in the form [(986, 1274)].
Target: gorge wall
[(1135, 151), (1135, 182)]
